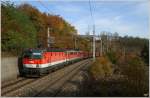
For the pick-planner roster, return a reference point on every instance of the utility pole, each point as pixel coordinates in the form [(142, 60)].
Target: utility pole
[(124, 53), (107, 41), (48, 38), (101, 46), (75, 43), (93, 42)]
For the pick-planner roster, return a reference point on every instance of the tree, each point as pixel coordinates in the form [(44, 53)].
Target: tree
[(145, 54), (18, 32)]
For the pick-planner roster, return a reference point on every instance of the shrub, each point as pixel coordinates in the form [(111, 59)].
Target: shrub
[(112, 57), (101, 68), (135, 73), (145, 54)]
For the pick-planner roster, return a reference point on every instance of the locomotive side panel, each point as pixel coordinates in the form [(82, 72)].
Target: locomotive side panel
[(57, 58), (39, 62)]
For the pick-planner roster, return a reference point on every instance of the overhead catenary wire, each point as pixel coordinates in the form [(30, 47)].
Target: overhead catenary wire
[(48, 33), (91, 12), (44, 6), (92, 17)]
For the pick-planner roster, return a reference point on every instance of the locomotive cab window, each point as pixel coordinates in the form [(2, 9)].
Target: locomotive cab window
[(31, 55), (37, 55)]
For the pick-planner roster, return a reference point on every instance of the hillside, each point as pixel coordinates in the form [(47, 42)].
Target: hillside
[(24, 26)]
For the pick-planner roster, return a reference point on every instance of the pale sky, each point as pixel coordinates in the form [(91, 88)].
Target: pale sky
[(127, 17)]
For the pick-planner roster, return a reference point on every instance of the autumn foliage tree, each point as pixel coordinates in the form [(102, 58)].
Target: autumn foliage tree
[(18, 31), (61, 30), (24, 26)]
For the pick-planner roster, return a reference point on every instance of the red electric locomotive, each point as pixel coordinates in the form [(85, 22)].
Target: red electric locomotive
[(37, 62)]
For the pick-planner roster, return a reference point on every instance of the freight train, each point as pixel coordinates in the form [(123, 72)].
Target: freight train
[(37, 62)]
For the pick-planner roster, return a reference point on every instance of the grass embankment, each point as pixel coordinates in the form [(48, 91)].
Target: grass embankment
[(107, 79)]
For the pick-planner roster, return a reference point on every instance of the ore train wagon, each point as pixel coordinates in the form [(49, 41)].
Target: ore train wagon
[(37, 62)]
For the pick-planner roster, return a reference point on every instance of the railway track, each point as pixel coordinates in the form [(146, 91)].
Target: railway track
[(74, 86), (15, 85), (55, 87), (65, 84), (48, 84), (4, 85)]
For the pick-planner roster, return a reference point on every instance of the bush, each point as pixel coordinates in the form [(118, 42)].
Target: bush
[(112, 57), (145, 54), (137, 81), (101, 68), (132, 81)]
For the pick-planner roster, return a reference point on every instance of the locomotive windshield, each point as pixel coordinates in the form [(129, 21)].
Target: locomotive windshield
[(32, 55), (37, 55)]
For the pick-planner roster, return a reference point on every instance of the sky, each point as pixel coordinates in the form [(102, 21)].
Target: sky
[(126, 17)]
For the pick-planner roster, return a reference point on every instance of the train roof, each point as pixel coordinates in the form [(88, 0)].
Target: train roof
[(50, 50), (55, 50), (72, 51), (34, 50), (61, 50)]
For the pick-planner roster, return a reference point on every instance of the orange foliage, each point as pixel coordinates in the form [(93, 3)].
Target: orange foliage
[(61, 30)]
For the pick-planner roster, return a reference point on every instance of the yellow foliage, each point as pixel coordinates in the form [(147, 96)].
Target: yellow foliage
[(101, 68)]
